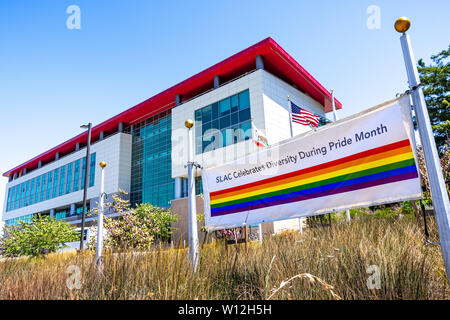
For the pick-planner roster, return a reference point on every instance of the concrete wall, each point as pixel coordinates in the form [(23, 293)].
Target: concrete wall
[(180, 209), (276, 110), (115, 150)]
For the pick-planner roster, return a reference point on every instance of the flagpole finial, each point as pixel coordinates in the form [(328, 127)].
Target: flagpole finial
[(402, 24), (288, 97)]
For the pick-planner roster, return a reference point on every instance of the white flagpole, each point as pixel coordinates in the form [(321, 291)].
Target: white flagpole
[(290, 116), (260, 235), (300, 222), (334, 106), (335, 119), (437, 185)]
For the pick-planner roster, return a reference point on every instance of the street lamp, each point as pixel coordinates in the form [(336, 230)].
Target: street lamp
[(86, 178), (99, 251), (192, 207)]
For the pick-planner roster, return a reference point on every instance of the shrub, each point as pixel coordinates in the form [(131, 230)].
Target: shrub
[(40, 236), (386, 213), (357, 213), (158, 219), (406, 208), (135, 228)]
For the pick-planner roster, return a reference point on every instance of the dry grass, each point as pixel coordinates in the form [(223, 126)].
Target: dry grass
[(323, 263)]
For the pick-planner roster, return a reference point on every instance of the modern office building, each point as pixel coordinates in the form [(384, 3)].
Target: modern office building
[(145, 147)]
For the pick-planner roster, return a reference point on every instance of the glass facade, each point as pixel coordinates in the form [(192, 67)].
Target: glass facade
[(69, 178), (61, 214), (151, 163), (61, 181), (92, 170), (49, 185), (76, 181), (15, 221), (228, 120)]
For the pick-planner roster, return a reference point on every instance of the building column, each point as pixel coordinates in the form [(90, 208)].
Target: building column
[(102, 135), (259, 62), (216, 82), (39, 164), (72, 209), (178, 99), (77, 147), (24, 171), (52, 213), (57, 156), (178, 188), (120, 127), (15, 176)]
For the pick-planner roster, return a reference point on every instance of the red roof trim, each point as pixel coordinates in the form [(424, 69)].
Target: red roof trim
[(276, 61)]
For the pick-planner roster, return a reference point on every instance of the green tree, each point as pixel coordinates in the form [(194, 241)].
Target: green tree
[(40, 236), (158, 219), (435, 79)]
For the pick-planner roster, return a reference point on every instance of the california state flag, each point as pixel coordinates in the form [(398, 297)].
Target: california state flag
[(259, 138)]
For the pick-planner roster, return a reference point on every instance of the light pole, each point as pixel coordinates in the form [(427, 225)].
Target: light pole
[(192, 208), (437, 185), (99, 251), (86, 179)]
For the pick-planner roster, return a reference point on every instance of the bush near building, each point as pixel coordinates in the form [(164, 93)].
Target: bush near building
[(136, 228), (42, 235)]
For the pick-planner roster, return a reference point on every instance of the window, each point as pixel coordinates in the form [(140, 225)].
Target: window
[(79, 211), (244, 100), (83, 173), (228, 120), (55, 184), (38, 189), (49, 185), (69, 177), (27, 194), (22, 195), (76, 176), (32, 191), (60, 215), (9, 199), (43, 187), (198, 185), (92, 171), (61, 181)]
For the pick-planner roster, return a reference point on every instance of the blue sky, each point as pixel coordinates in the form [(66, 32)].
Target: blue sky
[(53, 79)]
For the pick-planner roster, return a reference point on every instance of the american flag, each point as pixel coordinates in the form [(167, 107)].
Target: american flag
[(303, 116)]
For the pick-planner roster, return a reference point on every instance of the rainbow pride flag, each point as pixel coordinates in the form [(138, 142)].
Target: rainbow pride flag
[(379, 166)]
